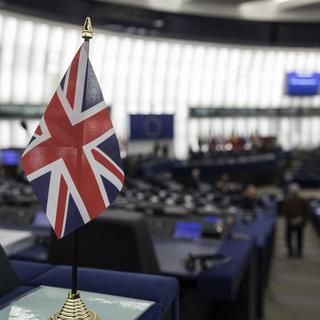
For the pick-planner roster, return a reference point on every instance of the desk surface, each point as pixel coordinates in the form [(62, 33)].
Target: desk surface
[(260, 230), (43, 302), (13, 241), (172, 253)]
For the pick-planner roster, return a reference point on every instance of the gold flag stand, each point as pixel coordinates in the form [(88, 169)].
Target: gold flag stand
[(74, 308)]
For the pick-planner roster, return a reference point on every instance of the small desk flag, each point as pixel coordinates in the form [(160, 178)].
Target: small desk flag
[(73, 160)]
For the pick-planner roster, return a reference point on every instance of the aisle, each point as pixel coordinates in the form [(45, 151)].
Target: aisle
[(294, 288)]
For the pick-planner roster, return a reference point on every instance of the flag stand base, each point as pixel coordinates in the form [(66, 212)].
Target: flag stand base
[(74, 309)]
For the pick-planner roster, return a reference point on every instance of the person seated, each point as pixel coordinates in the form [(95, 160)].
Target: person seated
[(195, 180), (251, 200), (165, 150), (223, 183)]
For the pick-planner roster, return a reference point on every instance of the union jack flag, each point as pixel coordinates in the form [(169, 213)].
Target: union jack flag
[(73, 161)]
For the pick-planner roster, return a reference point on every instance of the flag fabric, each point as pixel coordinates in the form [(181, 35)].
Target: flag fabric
[(73, 160)]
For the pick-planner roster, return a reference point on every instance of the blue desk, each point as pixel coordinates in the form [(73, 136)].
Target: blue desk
[(316, 222), (260, 230), (315, 215), (222, 281), (26, 271), (45, 301), (262, 233), (164, 291), (29, 270), (231, 287)]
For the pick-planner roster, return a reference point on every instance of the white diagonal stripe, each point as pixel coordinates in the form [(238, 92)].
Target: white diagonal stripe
[(66, 82), (99, 140), (108, 175), (65, 214), (109, 159), (38, 139), (92, 163), (58, 169), (75, 194), (77, 117), (81, 79)]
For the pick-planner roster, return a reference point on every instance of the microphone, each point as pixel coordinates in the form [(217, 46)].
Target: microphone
[(24, 125)]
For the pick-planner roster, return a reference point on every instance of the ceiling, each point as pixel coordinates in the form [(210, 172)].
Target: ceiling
[(306, 11), (257, 10), (263, 22)]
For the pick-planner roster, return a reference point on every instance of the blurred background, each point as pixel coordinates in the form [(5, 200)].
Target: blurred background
[(216, 106)]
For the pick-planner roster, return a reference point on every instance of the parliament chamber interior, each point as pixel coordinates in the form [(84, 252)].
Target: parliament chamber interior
[(201, 199)]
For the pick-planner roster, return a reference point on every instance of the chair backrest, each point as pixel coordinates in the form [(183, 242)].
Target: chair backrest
[(116, 240), (9, 279)]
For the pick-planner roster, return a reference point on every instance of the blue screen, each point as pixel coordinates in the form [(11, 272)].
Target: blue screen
[(151, 126), (10, 157), (213, 219), (187, 230), (303, 84)]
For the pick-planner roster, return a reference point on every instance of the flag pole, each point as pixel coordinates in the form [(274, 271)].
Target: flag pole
[(74, 279), (74, 307), (86, 35)]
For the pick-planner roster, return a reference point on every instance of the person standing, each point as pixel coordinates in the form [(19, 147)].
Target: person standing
[(295, 210)]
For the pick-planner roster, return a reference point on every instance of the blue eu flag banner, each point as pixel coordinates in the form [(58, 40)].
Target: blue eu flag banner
[(151, 126)]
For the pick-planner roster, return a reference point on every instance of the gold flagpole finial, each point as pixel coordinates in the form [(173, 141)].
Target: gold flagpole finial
[(87, 29)]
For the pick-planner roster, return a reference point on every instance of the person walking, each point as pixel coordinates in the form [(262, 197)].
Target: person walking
[(295, 210)]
